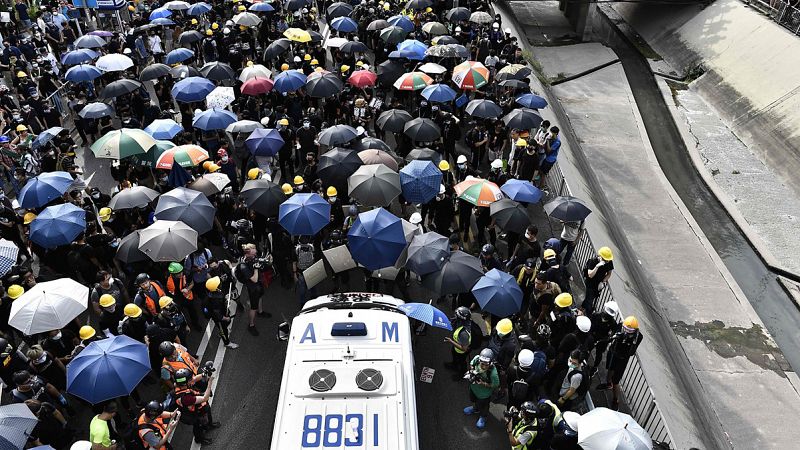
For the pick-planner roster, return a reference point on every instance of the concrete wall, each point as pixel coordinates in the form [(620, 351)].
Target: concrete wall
[(752, 70)]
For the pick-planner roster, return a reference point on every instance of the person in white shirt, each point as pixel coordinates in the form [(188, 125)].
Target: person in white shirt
[(491, 61), (154, 44)]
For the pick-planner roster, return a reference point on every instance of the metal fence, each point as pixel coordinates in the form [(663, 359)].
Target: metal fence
[(780, 11), (638, 395)]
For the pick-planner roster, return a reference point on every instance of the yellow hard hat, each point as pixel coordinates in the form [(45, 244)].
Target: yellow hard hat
[(207, 164), (22, 128), (14, 291), (131, 8), (283, 122), (549, 253), (253, 173), (132, 310), (504, 327), (319, 69), (212, 284), (249, 63), (444, 166), (428, 9), (345, 68), (106, 300), (606, 254), (314, 62), (287, 188), (214, 26), (21, 74), (522, 143), (386, 6), (631, 322), (285, 66), (28, 218), (331, 191), (213, 168), (242, 8), (209, 33), (564, 300), (194, 21), (242, 27), (104, 213), (307, 57), (164, 301), (359, 64), (86, 332), (298, 180)]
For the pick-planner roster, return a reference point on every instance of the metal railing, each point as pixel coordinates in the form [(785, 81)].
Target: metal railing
[(638, 396), (780, 11)]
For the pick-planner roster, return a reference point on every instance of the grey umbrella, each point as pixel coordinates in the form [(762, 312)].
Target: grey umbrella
[(409, 231), (485, 109), (182, 71), (128, 249), (89, 41), (188, 206), (119, 87), (393, 120), (154, 71), (339, 9), (457, 276), (277, 48), (371, 143), (510, 215), (379, 157), (323, 85), (353, 47), (96, 110), (427, 253), (424, 154), (336, 166), (16, 425), (374, 185), (337, 134), (168, 240), (210, 184), (422, 129), (522, 119), (243, 126), (378, 24), (263, 196), (448, 51), (133, 197), (188, 37)]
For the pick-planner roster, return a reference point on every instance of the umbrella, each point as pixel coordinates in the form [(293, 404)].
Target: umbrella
[(82, 72), (220, 97), (192, 89), (433, 68), (498, 293), (256, 86), (374, 185), (159, 13), (46, 136), (478, 191), (439, 93), (304, 214), (264, 142), (353, 47), (246, 19), (378, 157), (177, 5), (377, 25), (179, 55), (118, 144), (427, 253), (167, 240), (427, 313), (163, 128), (107, 369), (337, 134), (277, 48), (261, 7), (8, 256), (522, 191), (448, 51), (257, 71), (435, 28), (414, 46), (443, 40), (243, 126), (119, 88), (522, 119), (371, 143), (470, 75), (389, 71), (336, 166), (154, 71), (149, 159), (210, 183), (514, 84), (422, 130), (289, 81), (96, 110), (16, 425), (163, 21), (456, 15), (339, 9), (402, 21), (510, 215), (262, 196), (79, 56), (132, 197), (48, 306), (297, 35), (43, 189), (344, 24), (481, 17), (393, 34), (214, 119), (424, 154), (217, 71), (568, 209), (606, 429), (186, 155), (363, 78), (376, 239), (90, 41), (114, 62), (322, 85), (198, 9), (178, 176), (393, 120), (458, 274), (189, 37), (516, 71), (419, 181), (188, 206), (485, 109), (532, 101)]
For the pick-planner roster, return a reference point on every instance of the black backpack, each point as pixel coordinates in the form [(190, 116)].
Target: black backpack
[(476, 337)]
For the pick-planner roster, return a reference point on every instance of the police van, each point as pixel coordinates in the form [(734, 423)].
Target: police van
[(348, 380)]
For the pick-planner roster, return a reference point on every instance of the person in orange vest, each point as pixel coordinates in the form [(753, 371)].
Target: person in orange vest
[(153, 429), (147, 296), (180, 289), (193, 405), (177, 357)]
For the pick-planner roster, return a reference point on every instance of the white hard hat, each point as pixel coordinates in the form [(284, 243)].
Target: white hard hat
[(525, 358), (507, 30), (197, 111), (126, 51), (267, 177), (360, 131), (458, 29), (297, 59), (415, 218), (461, 159), (226, 30), (584, 323), (495, 25), (612, 309), (469, 177), (441, 189), (229, 23), (497, 164), (265, 121)]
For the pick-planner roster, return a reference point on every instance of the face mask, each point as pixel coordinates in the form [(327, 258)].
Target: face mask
[(224, 159), (306, 125), (332, 199), (299, 187), (112, 309), (572, 366), (57, 337), (309, 159), (462, 166), (528, 236), (42, 359)]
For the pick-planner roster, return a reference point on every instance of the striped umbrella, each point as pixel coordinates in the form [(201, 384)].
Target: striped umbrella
[(412, 81), (470, 75), (117, 144), (185, 155), (478, 191), (149, 159)]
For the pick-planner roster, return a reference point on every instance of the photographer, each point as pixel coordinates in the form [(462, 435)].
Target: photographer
[(483, 381), (522, 426), (155, 427), (216, 306), (222, 269), (248, 272), (193, 405)]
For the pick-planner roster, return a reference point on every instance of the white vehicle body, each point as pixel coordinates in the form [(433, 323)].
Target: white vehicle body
[(348, 380)]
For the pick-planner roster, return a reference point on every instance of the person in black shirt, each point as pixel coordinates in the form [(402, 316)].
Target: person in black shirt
[(528, 247), (596, 272)]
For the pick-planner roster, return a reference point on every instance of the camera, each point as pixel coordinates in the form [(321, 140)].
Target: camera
[(207, 369), (261, 263), (510, 414), (473, 377)]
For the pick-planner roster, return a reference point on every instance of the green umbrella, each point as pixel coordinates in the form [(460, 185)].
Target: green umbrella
[(149, 159), (122, 143)]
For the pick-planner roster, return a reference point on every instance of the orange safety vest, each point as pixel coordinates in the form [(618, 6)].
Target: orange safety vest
[(157, 426), (174, 366), (152, 303), (181, 284), (190, 409)]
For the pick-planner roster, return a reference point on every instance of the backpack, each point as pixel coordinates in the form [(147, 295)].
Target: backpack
[(583, 388), (476, 333), (305, 256), (238, 272), (534, 374)]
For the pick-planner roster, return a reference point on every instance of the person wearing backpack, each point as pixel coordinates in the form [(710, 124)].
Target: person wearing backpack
[(304, 258), (525, 378), (575, 384), (248, 272)]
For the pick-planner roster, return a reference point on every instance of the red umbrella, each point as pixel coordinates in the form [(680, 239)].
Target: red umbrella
[(362, 78), (257, 85)]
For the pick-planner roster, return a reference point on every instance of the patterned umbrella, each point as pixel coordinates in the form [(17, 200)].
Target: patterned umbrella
[(8, 256), (186, 155), (117, 144), (297, 35), (16, 425), (413, 81), (420, 181), (363, 78), (257, 86), (517, 71), (478, 191), (470, 75), (220, 97), (481, 17)]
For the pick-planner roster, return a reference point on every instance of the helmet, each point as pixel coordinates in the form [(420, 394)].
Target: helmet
[(253, 173), (21, 74), (22, 128), (584, 323), (132, 310), (332, 191), (183, 376), (525, 358), (606, 254), (14, 291), (314, 62), (528, 407), (214, 26), (166, 349), (213, 168), (131, 8), (544, 331), (444, 165), (415, 218), (298, 180), (4, 139), (209, 33), (242, 8), (153, 408), (307, 57), (352, 210), (104, 213), (504, 327), (141, 278), (164, 301), (544, 410), (284, 122), (345, 68), (222, 152), (284, 66), (563, 300), (549, 253), (612, 309), (212, 284), (359, 64), (463, 313), (86, 332), (175, 267), (286, 188), (4, 345), (207, 164), (461, 159), (497, 164), (486, 355), (194, 21), (106, 300), (487, 249), (630, 323)]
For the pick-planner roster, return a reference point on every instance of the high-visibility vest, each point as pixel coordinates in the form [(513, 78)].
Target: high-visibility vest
[(186, 363), (181, 284), (189, 409), (157, 426), (521, 428), (455, 338), (522, 274), (151, 304)]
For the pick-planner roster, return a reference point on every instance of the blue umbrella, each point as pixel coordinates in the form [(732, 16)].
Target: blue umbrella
[(264, 142), (414, 46), (532, 101), (160, 13), (304, 214), (192, 89), (439, 93), (58, 225), (344, 24), (408, 54), (376, 239), (420, 181), (261, 7), (289, 80), (521, 191), (498, 293), (108, 368), (178, 176), (163, 129), (45, 136), (198, 9), (82, 72), (43, 189), (214, 119), (403, 22), (427, 313), (79, 56), (179, 55), (162, 21)]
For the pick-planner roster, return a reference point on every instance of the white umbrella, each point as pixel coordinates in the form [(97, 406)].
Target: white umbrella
[(114, 62), (177, 5), (335, 42), (247, 19), (254, 71), (605, 429), (48, 306), (168, 240), (432, 68), (220, 97), (243, 126)]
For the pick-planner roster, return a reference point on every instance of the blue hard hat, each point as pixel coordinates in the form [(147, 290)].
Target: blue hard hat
[(4, 139)]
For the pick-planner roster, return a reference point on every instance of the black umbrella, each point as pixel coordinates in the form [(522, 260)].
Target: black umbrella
[(456, 15), (448, 51), (336, 166), (182, 71), (337, 134), (427, 253), (353, 47), (510, 215), (119, 87), (389, 71), (485, 109), (393, 34), (128, 249), (295, 5), (444, 40), (189, 37), (371, 143), (263, 196), (568, 209), (522, 119), (418, 5), (393, 120), (154, 71), (379, 24), (144, 28), (322, 85), (422, 130), (424, 154), (218, 71), (277, 48), (457, 276), (338, 9), (516, 84), (315, 37)]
